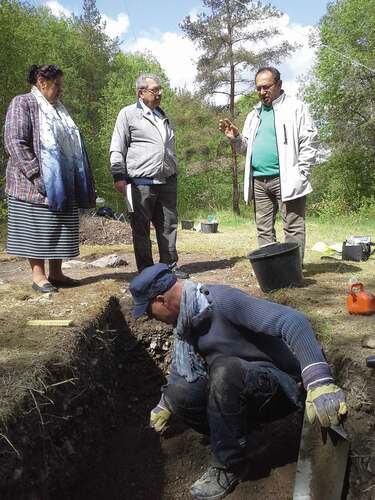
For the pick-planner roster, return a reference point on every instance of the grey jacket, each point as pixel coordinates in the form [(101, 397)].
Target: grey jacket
[(138, 149), (296, 143)]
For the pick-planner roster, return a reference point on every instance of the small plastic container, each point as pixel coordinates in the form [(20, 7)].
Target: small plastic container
[(359, 301), (209, 227), (187, 224)]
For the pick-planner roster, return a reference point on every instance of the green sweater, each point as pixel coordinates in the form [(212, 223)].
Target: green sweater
[(265, 157)]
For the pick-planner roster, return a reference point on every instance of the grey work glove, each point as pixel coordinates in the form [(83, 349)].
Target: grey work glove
[(159, 416), (327, 402)]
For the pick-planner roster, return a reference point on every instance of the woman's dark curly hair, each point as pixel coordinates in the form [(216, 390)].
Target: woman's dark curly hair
[(47, 71)]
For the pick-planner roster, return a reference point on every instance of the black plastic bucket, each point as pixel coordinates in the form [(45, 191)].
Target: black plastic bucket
[(209, 227), (187, 224), (277, 266)]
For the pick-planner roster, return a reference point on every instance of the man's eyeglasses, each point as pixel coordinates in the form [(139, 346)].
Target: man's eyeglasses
[(264, 87), (154, 91)]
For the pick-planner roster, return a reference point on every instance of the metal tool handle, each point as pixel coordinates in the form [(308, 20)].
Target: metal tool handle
[(370, 361)]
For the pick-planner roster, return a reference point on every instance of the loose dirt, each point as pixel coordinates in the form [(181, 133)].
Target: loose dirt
[(75, 402), (102, 231)]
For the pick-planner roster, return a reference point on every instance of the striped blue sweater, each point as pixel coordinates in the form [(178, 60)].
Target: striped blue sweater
[(236, 324)]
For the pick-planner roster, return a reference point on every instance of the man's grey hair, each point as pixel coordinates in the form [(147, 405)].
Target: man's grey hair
[(141, 82)]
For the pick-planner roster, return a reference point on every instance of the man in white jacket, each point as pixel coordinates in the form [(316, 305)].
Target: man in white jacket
[(279, 138)]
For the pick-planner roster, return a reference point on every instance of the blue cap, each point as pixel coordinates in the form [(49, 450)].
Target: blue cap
[(152, 281)]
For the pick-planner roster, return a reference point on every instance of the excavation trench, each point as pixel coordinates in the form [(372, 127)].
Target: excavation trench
[(83, 432)]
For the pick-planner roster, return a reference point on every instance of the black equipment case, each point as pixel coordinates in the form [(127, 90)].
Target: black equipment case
[(357, 248)]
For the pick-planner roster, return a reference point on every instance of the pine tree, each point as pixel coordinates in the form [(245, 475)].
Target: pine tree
[(91, 15)]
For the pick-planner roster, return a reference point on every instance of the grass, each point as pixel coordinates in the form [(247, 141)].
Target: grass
[(224, 217), (237, 234), (3, 230)]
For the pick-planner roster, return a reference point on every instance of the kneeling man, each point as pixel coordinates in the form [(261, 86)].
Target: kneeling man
[(236, 359)]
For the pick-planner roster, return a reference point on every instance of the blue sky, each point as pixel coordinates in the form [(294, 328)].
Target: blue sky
[(153, 25), (166, 14)]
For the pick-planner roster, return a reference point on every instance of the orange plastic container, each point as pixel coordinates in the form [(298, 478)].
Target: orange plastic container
[(359, 301)]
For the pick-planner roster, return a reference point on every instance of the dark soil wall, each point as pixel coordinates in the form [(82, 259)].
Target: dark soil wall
[(358, 381), (67, 417)]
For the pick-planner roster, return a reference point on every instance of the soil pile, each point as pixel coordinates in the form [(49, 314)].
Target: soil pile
[(101, 231)]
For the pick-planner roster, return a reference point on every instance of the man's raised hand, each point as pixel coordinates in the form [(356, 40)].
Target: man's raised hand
[(228, 129)]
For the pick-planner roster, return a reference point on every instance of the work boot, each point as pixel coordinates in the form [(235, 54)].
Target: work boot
[(180, 274), (216, 483)]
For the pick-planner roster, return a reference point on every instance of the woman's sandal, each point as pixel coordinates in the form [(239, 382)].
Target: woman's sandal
[(46, 288)]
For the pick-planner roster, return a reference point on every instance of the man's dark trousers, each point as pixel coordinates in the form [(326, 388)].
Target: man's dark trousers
[(156, 203), (236, 393)]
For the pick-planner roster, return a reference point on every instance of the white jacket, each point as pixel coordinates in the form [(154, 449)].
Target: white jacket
[(296, 138)]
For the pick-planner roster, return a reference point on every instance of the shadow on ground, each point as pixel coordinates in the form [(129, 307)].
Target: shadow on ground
[(116, 276), (210, 265), (330, 267)]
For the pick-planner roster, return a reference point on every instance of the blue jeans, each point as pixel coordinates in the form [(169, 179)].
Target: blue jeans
[(236, 393)]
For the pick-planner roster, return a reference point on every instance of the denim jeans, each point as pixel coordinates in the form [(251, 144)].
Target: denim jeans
[(236, 393)]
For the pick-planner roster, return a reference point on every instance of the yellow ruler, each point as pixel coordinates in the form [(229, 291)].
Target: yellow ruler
[(50, 322)]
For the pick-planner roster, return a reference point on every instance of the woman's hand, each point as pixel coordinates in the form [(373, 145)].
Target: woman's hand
[(39, 185)]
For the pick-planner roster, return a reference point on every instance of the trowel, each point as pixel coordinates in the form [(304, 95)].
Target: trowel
[(322, 462)]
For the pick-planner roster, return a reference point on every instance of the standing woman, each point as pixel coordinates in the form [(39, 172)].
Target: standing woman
[(48, 178)]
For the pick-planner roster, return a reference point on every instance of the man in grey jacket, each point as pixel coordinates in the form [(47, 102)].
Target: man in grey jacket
[(279, 138), (143, 153)]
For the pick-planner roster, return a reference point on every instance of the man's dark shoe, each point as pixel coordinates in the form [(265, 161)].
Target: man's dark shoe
[(215, 483), (46, 288)]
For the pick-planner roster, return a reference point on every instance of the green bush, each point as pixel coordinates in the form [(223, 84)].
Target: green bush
[(344, 184)]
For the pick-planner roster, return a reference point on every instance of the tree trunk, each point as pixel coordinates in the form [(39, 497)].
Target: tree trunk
[(235, 194)]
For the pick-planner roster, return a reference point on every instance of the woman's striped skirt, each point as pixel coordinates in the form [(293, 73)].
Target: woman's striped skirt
[(35, 231)]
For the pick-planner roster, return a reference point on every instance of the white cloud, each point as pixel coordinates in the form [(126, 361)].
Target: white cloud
[(193, 14), (116, 27), (177, 56), (293, 67), (301, 61), (113, 27), (57, 9)]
